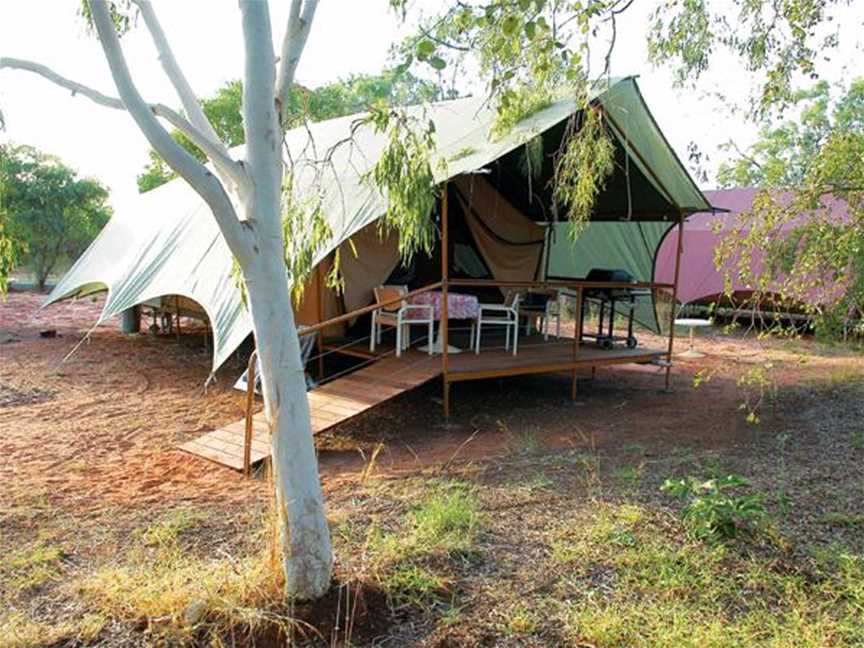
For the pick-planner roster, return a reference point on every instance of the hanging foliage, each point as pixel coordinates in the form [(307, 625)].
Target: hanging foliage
[(517, 106), (582, 166), (532, 52), (404, 176), (305, 231), (531, 162)]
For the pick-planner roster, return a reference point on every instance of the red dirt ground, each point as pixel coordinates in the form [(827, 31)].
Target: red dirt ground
[(100, 429)]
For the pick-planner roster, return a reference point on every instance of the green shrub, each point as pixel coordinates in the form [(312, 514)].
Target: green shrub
[(715, 509)]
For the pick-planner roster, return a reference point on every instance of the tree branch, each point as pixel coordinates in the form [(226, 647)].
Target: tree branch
[(160, 110), (260, 120), (233, 173), (299, 25), (747, 158), (196, 174)]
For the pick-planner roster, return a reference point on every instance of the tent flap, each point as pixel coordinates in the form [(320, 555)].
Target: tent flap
[(510, 243)]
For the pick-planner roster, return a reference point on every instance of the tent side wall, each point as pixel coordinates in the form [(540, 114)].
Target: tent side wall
[(627, 246)]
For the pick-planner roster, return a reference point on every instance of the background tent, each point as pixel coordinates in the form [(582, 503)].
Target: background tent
[(170, 245), (700, 281)]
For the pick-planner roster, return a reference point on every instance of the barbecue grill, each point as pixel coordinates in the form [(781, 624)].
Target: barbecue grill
[(606, 300)]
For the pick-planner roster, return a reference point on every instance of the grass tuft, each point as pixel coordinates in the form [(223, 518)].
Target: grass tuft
[(411, 560), (184, 597), (30, 567), (444, 523), (520, 621), (169, 530), (636, 579)]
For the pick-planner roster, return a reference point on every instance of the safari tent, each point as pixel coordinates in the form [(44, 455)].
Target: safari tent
[(702, 283), (498, 231)]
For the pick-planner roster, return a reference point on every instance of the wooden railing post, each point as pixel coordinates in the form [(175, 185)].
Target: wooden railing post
[(577, 338), (250, 399), (319, 304), (672, 313), (444, 326)]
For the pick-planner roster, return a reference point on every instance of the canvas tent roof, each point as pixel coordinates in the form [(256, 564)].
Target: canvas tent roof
[(169, 244)]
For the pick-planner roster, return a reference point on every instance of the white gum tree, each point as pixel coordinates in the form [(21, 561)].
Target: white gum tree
[(519, 46), (528, 51), (245, 197)]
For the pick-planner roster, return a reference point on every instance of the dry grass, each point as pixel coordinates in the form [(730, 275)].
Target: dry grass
[(19, 630), (661, 589), (163, 582)]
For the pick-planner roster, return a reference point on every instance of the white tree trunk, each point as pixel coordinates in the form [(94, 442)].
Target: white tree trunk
[(307, 554), (257, 244)]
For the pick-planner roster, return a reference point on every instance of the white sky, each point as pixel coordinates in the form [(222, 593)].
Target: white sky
[(349, 36)]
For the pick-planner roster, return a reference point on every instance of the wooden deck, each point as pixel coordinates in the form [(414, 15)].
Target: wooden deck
[(344, 398), (541, 357), (330, 404)]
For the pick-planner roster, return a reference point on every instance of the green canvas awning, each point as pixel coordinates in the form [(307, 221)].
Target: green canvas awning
[(634, 127)]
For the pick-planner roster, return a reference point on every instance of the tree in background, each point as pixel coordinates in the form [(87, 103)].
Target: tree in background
[(7, 249), (787, 148), (349, 96), (812, 250), (51, 214), (223, 110)]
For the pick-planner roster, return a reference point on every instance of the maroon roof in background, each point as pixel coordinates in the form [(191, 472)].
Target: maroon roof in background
[(699, 278)]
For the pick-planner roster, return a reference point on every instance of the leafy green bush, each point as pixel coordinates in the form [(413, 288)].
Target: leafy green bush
[(715, 508)]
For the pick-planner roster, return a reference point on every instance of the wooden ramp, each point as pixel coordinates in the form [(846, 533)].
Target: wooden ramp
[(330, 404)]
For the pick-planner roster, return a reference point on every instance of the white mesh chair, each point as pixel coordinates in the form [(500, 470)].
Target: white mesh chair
[(506, 315), (401, 316)]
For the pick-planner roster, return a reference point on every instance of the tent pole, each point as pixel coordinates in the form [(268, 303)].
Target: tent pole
[(319, 304), (445, 276), (672, 314)]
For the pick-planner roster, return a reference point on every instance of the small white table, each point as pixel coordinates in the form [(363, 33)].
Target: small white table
[(692, 324)]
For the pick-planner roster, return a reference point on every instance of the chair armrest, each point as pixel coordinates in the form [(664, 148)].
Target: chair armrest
[(496, 307)]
